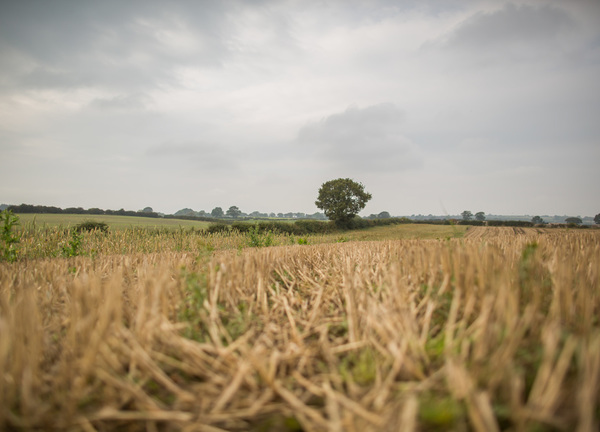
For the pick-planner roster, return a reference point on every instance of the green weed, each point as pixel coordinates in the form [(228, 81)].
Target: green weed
[(192, 310), (440, 413), (73, 247), (8, 251), (360, 366), (259, 239)]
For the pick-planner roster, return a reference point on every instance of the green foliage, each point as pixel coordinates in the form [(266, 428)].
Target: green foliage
[(471, 222), (301, 227), (8, 251), (441, 413), (192, 310), (256, 238), (509, 223), (218, 227), (242, 227), (574, 220), (73, 247), (533, 275), (467, 215), (313, 227), (302, 241), (360, 367), (276, 422), (341, 200), (480, 216), (90, 225)]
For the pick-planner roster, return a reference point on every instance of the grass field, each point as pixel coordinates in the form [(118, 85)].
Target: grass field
[(408, 231), (113, 221), (412, 328)]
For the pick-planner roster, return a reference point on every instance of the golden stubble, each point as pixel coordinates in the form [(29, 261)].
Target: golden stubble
[(495, 331)]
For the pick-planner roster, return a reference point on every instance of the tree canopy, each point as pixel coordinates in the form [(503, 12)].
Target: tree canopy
[(467, 215), (342, 199), (537, 220), (217, 212), (574, 220), (234, 212)]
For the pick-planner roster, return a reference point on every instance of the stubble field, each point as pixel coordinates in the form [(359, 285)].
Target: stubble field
[(497, 330)]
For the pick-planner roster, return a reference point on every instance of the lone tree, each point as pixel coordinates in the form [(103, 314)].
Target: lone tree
[(217, 212), (480, 216), (234, 212), (341, 200), (574, 220), (467, 215), (597, 219), (537, 220)]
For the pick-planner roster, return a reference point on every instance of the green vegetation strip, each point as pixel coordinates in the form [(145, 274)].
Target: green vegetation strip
[(114, 222)]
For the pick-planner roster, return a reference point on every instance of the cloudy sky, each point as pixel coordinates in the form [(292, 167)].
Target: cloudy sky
[(435, 106)]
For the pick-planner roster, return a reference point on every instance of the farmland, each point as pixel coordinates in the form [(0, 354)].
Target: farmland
[(44, 220), (393, 328)]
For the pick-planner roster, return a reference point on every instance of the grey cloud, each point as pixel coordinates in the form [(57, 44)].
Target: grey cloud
[(136, 45), (194, 155), (134, 101), (367, 139), (110, 44), (511, 27), (232, 84)]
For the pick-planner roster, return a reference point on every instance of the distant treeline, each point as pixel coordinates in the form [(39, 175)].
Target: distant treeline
[(29, 208), (299, 227), (193, 218)]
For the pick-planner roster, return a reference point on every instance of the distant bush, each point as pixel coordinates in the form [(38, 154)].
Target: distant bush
[(355, 223), (301, 227), (194, 218), (276, 227), (471, 222), (307, 226), (218, 227), (242, 227), (509, 223), (91, 226), (314, 227)]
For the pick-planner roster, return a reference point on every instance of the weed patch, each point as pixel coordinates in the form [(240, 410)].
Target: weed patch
[(8, 250)]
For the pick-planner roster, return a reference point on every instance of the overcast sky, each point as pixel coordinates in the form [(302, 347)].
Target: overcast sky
[(435, 106)]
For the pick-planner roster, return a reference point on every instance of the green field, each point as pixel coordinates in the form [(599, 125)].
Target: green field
[(119, 223), (407, 231), (113, 221)]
